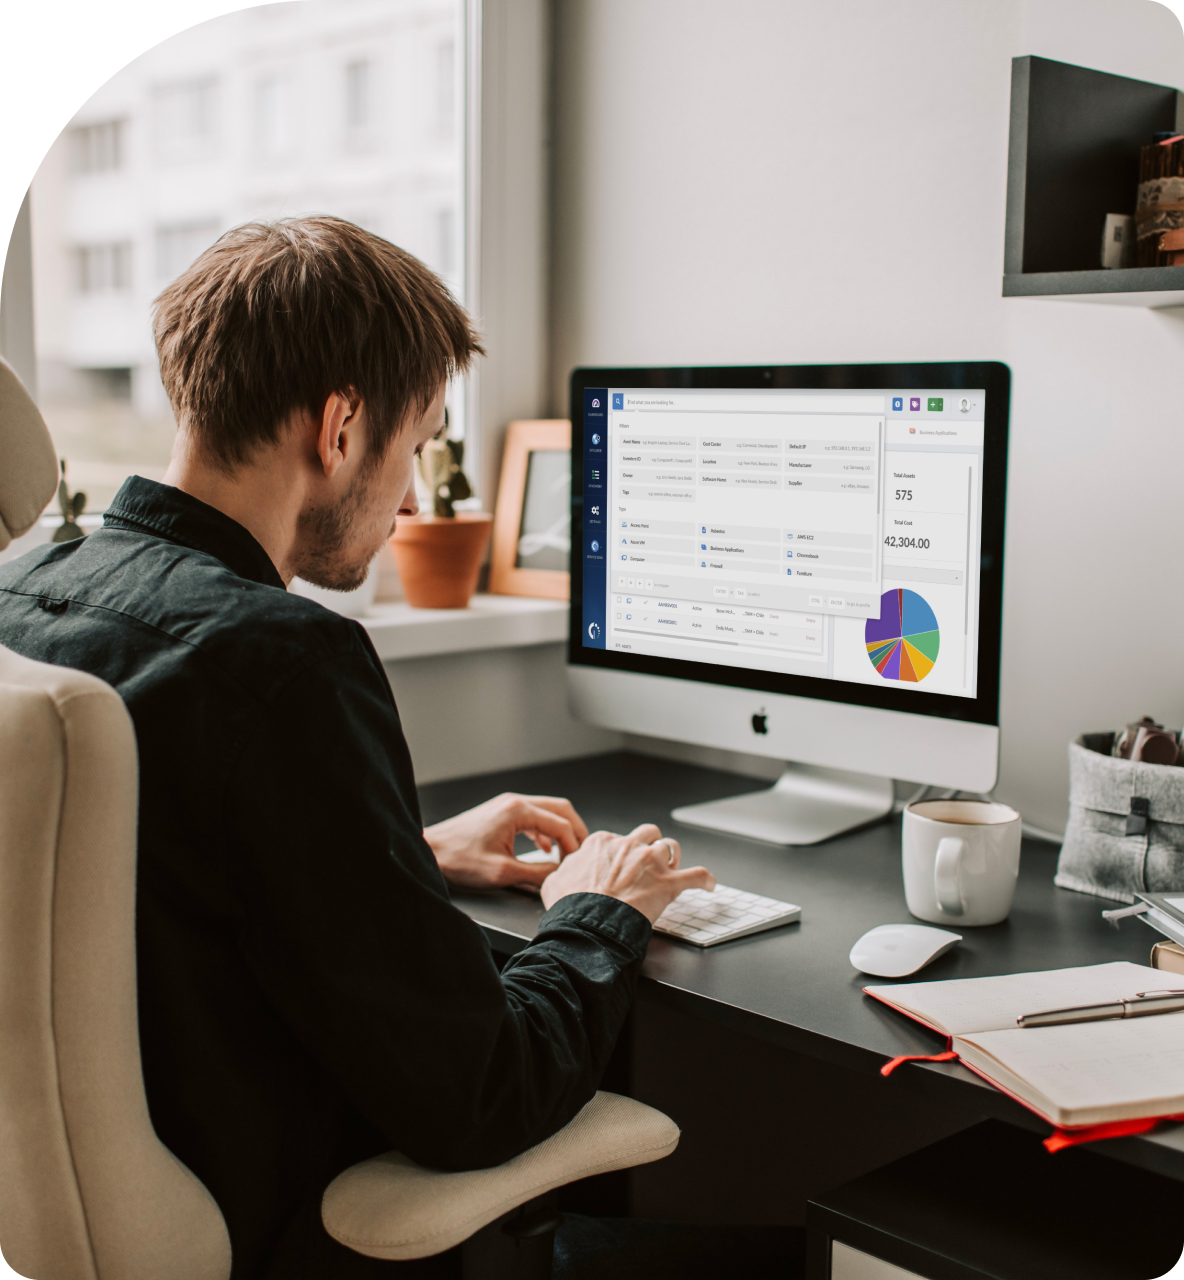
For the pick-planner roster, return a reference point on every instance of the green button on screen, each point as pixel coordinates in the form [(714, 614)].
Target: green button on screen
[(936, 404)]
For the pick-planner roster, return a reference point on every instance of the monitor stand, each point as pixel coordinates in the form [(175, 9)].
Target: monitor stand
[(806, 804)]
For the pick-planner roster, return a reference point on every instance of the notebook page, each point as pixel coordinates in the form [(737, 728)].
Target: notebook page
[(961, 1005), (1130, 1065)]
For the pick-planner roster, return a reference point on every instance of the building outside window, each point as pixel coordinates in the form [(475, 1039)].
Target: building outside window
[(237, 119)]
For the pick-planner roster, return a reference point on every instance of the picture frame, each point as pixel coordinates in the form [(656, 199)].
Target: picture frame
[(532, 521)]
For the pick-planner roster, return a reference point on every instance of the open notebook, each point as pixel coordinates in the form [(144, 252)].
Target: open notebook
[(1076, 1074)]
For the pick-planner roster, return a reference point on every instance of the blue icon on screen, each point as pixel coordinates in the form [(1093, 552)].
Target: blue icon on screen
[(595, 546), (789, 571), (897, 404), (595, 439), (618, 400)]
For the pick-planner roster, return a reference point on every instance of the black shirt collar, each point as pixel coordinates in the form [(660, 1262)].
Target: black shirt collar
[(170, 513)]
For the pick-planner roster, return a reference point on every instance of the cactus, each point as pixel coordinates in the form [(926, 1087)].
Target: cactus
[(72, 508), (440, 465)]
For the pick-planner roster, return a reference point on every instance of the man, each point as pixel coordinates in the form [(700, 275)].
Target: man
[(308, 994)]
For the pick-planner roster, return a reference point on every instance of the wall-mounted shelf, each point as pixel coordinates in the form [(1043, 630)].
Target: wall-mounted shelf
[(1073, 157)]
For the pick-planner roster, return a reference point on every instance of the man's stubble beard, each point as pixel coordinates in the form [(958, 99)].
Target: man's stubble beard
[(325, 533)]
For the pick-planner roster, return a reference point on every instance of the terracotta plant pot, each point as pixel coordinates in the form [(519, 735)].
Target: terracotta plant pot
[(438, 559)]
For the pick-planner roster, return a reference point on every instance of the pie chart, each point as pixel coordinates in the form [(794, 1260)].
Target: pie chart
[(903, 641)]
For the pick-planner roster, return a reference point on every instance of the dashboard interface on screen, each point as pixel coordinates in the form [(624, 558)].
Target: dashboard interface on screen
[(833, 534)]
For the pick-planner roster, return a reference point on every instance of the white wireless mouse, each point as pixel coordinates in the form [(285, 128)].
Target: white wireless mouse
[(896, 950)]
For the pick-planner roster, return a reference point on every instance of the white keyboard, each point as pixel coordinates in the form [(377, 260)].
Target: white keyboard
[(708, 916)]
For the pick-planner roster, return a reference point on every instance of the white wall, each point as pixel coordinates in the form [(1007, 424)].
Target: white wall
[(788, 181), (469, 713)]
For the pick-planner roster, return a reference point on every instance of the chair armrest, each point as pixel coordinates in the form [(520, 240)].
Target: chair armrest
[(389, 1207)]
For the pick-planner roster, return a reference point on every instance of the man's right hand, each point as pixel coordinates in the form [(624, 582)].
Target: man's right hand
[(640, 869)]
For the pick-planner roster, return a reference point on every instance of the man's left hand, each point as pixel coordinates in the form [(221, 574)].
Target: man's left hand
[(475, 849)]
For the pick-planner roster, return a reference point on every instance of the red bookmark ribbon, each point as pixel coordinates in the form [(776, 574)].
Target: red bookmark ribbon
[(1062, 1138), (889, 1067)]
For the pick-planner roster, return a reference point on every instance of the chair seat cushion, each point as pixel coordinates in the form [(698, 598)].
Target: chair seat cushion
[(390, 1207)]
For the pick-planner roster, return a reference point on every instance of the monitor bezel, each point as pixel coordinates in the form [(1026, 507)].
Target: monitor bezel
[(991, 376)]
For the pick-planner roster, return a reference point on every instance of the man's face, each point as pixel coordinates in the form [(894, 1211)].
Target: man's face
[(340, 538)]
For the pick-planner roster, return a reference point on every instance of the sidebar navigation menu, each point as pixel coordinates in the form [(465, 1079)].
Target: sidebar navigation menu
[(595, 516)]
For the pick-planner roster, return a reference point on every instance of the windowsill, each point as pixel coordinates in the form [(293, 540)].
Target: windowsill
[(399, 631)]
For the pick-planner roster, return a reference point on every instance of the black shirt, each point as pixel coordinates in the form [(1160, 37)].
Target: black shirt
[(308, 995)]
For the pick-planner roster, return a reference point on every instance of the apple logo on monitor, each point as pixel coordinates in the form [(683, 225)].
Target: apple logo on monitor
[(760, 723)]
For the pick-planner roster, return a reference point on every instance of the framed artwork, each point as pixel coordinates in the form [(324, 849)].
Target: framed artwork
[(532, 523)]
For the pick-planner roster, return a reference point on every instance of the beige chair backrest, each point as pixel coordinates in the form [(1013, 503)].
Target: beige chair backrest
[(87, 1190), (28, 465)]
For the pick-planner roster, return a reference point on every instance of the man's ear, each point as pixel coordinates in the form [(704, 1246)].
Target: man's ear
[(339, 434)]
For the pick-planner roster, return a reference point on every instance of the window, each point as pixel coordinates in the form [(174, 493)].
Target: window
[(445, 262), (357, 97), (178, 245), (95, 148), (183, 116), (446, 89), (103, 268), (222, 107), (273, 125)]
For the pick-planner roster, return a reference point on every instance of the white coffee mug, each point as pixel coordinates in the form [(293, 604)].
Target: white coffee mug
[(961, 859)]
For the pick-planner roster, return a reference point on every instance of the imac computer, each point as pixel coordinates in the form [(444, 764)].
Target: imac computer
[(804, 562)]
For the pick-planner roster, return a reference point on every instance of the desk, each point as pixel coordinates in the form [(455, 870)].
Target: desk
[(787, 1004)]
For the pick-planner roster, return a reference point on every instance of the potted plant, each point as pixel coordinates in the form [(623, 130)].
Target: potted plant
[(72, 507), (439, 552)]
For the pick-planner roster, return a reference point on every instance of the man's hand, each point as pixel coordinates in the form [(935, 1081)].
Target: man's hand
[(640, 869), (475, 849)]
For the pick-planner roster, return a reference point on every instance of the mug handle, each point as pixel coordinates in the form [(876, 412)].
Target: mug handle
[(945, 874)]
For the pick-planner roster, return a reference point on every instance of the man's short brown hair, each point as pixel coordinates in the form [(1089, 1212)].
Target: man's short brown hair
[(276, 316)]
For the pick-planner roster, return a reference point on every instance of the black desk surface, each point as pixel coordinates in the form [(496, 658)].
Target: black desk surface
[(795, 986)]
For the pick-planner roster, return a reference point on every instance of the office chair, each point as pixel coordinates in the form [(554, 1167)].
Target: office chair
[(87, 1190)]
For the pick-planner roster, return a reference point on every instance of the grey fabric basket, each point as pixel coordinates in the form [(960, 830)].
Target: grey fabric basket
[(1126, 824)]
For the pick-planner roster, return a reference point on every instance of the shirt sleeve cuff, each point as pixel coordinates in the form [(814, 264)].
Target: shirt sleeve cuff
[(609, 917)]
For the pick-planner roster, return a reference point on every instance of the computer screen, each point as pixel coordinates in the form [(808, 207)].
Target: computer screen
[(829, 531)]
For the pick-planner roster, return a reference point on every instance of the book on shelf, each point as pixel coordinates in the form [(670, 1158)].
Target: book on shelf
[(1168, 956), (1076, 1074), (1165, 914)]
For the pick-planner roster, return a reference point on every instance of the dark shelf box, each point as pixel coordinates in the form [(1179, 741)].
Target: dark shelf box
[(991, 1204), (1073, 157)]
